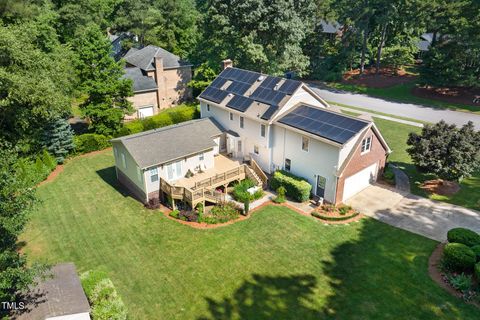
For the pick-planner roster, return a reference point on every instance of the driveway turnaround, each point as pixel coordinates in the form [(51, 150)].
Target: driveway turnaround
[(423, 216), (408, 110)]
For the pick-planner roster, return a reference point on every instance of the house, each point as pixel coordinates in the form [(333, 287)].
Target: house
[(159, 79), (59, 297), (283, 124), (252, 125), (179, 162)]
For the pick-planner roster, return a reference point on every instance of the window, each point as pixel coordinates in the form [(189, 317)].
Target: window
[(255, 149), (208, 107), (305, 142), (124, 161), (239, 146), (231, 116), (201, 157), (153, 174), (262, 130), (288, 164), (241, 122), (366, 144)]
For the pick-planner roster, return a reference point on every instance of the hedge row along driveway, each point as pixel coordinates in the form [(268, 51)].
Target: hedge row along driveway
[(276, 265)]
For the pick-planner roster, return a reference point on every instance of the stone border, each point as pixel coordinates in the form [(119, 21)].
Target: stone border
[(436, 275)]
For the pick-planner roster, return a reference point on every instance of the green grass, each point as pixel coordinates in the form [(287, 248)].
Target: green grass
[(402, 93), (276, 265), (396, 135)]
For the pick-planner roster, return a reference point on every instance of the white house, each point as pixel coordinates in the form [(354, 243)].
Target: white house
[(283, 124)]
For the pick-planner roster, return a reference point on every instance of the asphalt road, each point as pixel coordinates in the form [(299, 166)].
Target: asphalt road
[(408, 110)]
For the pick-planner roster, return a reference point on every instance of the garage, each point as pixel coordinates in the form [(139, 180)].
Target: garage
[(144, 112), (359, 181)]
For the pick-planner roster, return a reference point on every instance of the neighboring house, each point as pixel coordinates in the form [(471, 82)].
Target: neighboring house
[(159, 78), (58, 298), (268, 122), (283, 124), (177, 161)]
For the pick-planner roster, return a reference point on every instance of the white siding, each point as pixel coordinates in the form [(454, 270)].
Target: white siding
[(189, 163), (321, 158), (131, 170), (301, 96)]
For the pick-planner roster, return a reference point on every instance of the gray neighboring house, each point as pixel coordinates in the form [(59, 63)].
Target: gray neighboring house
[(58, 298), (159, 78)]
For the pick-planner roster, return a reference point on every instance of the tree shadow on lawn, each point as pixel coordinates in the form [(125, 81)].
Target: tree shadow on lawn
[(381, 274)]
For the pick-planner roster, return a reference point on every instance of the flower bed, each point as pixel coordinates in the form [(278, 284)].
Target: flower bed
[(330, 212), (240, 191), (221, 213)]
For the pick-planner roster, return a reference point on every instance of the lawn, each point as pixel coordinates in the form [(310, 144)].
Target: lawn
[(402, 93), (276, 265), (396, 135)]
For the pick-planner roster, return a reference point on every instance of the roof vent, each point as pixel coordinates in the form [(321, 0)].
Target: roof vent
[(277, 86), (261, 78)]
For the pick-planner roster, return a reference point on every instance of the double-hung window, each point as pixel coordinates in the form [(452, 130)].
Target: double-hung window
[(208, 107), (288, 164), (153, 174), (241, 122), (231, 116), (366, 144), (201, 157), (262, 130), (305, 142)]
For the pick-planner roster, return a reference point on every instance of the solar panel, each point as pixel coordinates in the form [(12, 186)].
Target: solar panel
[(267, 96), (238, 88), (218, 82), (270, 82), (214, 94), (335, 127), (269, 113), (240, 103), (289, 86)]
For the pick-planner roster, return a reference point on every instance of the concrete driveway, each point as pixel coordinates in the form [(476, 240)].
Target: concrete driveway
[(426, 217)]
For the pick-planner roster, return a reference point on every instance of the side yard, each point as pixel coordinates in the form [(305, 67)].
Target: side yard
[(277, 264)]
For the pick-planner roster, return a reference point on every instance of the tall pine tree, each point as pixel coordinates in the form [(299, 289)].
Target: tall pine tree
[(58, 139)]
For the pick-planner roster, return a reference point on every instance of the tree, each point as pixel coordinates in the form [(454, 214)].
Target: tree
[(36, 80), (445, 150), (58, 139), (203, 75), (16, 201), (102, 78), (259, 35)]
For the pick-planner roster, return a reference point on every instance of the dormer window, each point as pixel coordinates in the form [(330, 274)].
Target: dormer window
[(366, 145)]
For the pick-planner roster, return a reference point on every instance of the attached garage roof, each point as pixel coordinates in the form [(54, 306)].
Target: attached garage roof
[(330, 125), (159, 146)]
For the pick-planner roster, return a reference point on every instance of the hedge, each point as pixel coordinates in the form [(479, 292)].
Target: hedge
[(296, 188), (476, 250), (105, 302), (466, 236), (89, 142), (458, 257), (165, 118)]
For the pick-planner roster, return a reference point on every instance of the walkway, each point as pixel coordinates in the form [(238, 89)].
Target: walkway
[(419, 215), (408, 110)]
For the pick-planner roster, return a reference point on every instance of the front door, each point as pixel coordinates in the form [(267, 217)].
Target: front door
[(321, 182)]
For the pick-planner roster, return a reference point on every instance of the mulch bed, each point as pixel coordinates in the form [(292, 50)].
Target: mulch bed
[(437, 276), (384, 79), (333, 216), (440, 187), (453, 94)]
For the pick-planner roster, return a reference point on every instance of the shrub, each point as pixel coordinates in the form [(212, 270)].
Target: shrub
[(164, 118), (246, 206), (461, 282), (174, 214), (388, 175), (457, 257), (465, 236), (296, 188), (89, 142), (280, 198), (343, 210), (223, 212), (190, 216), (103, 297), (476, 250)]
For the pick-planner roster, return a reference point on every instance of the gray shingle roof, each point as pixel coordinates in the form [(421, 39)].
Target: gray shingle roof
[(166, 144), (144, 58), (59, 296), (141, 82)]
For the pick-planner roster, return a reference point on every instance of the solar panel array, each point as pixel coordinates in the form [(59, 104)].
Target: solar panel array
[(332, 126), (240, 81)]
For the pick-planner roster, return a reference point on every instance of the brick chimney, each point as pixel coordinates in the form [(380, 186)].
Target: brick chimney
[(160, 80), (227, 63)]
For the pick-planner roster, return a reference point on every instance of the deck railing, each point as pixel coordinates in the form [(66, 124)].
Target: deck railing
[(256, 168)]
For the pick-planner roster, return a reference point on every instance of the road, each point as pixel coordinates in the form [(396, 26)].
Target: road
[(408, 110)]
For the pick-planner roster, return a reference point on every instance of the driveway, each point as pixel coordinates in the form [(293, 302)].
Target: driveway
[(408, 110), (419, 215)]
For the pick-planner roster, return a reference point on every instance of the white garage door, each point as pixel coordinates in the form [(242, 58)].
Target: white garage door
[(145, 112), (359, 181)]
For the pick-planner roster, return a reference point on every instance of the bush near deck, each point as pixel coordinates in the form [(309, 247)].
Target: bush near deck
[(297, 188)]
